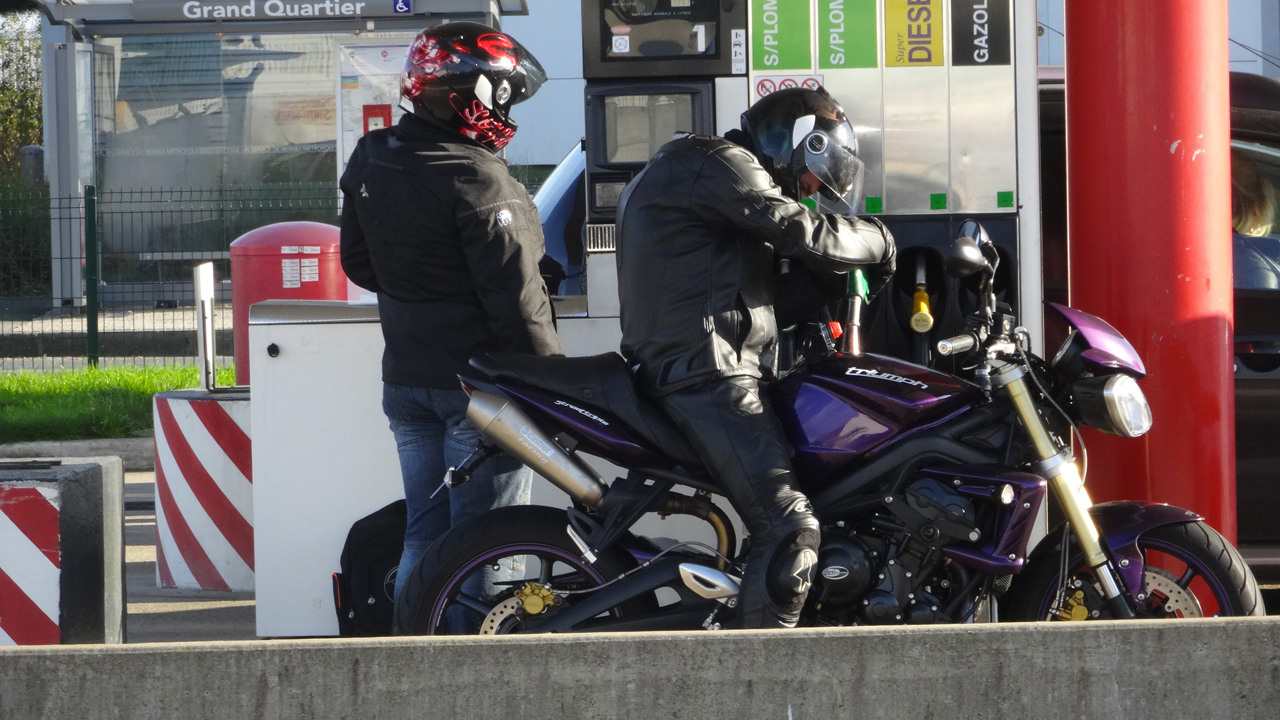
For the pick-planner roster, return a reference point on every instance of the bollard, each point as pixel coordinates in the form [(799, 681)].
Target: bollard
[(62, 551)]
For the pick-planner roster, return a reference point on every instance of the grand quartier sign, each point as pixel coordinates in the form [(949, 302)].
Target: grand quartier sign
[(259, 10), (195, 10)]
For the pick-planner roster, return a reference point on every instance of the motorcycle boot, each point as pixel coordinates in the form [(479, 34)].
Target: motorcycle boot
[(743, 445), (789, 573)]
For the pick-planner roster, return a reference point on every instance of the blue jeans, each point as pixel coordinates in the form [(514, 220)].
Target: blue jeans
[(433, 434)]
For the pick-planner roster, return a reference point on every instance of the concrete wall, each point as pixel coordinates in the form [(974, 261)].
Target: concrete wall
[(1142, 669)]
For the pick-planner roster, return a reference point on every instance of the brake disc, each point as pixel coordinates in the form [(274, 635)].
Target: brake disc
[(1165, 595), (501, 618), (532, 599)]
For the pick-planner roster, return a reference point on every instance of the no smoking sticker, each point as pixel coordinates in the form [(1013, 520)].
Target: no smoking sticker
[(770, 84)]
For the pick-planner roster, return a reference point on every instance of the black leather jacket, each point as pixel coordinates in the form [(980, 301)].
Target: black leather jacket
[(697, 232), (450, 242)]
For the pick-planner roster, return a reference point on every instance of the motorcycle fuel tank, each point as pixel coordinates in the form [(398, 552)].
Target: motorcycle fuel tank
[(838, 409)]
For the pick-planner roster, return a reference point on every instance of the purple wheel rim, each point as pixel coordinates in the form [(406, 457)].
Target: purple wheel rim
[(1146, 544), (541, 551)]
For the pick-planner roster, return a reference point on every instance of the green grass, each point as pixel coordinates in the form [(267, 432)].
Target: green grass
[(86, 404)]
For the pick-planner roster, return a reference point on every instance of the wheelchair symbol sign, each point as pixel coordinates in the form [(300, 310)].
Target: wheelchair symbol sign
[(402, 7)]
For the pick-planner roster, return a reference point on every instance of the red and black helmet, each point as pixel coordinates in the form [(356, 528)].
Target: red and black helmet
[(467, 76)]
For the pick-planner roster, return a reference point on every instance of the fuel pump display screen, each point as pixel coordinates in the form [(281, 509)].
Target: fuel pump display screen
[(653, 29), (637, 125), (663, 38)]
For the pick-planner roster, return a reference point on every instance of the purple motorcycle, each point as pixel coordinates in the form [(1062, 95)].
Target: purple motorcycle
[(928, 487)]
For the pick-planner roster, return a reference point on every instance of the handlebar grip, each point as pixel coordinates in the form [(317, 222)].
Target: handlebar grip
[(957, 344)]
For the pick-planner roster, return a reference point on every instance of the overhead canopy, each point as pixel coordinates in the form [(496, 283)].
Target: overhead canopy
[(171, 17)]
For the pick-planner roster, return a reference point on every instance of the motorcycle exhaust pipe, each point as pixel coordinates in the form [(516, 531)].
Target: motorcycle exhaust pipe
[(504, 424)]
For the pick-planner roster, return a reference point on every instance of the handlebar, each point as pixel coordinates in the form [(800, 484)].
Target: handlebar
[(957, 344)]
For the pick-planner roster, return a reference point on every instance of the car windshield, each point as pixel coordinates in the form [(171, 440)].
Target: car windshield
[(1255, 177)]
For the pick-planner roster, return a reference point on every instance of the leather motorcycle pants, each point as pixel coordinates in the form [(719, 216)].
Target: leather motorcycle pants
[(734, 429)]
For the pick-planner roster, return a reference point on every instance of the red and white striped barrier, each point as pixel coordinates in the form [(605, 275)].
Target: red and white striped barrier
[(204, 491), (30, 564)]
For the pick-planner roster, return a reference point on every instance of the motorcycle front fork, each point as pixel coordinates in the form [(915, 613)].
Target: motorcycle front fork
[(1058, 467)]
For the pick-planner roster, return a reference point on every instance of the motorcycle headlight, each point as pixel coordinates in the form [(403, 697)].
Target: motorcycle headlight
[(1113, 404)]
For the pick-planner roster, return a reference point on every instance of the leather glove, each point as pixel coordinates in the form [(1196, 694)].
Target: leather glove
[(879, 275)]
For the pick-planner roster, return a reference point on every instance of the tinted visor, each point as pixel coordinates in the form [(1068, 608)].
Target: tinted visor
[(829, 151), (528, 78)]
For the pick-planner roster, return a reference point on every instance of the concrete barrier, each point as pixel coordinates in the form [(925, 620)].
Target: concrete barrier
[(1142, 669), (204, 490), (62, 551)]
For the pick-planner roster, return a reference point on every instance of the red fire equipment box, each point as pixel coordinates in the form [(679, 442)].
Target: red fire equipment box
[(285, 261)]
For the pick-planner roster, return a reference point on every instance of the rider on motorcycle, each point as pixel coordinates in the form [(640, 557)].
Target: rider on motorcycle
[(698, 230)]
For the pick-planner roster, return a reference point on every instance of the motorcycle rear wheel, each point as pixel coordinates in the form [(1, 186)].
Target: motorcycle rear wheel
[(530, 542), (1190, 571)]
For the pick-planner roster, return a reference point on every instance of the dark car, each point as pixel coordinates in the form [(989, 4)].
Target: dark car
[(1255, 149)]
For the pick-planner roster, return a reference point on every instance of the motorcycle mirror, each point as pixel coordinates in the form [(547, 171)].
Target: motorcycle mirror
[(965, 258)]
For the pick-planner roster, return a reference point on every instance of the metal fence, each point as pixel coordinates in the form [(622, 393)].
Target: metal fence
[(107, 278)]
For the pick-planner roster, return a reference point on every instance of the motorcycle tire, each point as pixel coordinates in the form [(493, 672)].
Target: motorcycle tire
[(537, 537), (1191, 571)]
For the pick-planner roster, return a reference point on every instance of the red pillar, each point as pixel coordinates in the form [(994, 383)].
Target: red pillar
[(1149, 222)]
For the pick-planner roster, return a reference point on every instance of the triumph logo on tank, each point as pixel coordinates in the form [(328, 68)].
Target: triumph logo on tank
[(864, 372)]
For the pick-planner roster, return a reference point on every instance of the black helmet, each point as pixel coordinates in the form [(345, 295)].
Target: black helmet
[(467, 76), (797, 130)]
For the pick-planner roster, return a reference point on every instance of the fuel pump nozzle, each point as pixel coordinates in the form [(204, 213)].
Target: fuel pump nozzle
[(921, 316), (857, 291), (921, 320)]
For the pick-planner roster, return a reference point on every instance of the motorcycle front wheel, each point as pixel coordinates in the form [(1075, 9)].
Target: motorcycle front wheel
[(1189, 571), (486, 576)]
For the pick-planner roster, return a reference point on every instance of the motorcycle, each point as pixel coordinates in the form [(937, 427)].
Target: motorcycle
[(927, 486)]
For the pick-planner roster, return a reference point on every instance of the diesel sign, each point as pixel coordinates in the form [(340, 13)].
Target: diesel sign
[(980, 32), (913, 32)]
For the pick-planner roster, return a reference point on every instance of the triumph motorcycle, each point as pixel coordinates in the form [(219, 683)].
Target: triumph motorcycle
[(928, 488)]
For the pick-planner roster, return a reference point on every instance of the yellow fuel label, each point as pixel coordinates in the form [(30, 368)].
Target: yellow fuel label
[(913, 33)]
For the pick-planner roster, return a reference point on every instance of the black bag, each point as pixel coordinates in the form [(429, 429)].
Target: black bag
[(363, 592)]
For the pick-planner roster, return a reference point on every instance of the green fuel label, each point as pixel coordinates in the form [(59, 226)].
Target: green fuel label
[(847, 34), (780, 32)]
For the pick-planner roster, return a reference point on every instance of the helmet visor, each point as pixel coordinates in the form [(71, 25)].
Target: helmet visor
[(830, 153)]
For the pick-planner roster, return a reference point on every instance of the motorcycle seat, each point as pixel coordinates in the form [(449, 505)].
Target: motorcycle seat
[(603, 382)]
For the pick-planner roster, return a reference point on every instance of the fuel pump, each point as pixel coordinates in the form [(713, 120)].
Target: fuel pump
[(941, 95)]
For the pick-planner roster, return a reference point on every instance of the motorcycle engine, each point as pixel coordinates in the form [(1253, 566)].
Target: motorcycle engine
[(887, 571), (844, 570)]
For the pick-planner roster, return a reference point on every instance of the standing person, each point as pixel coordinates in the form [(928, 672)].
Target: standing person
[(433, 222), (698, 232)]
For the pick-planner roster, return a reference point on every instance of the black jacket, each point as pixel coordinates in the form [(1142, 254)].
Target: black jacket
[(697, 232), (450, 242)]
